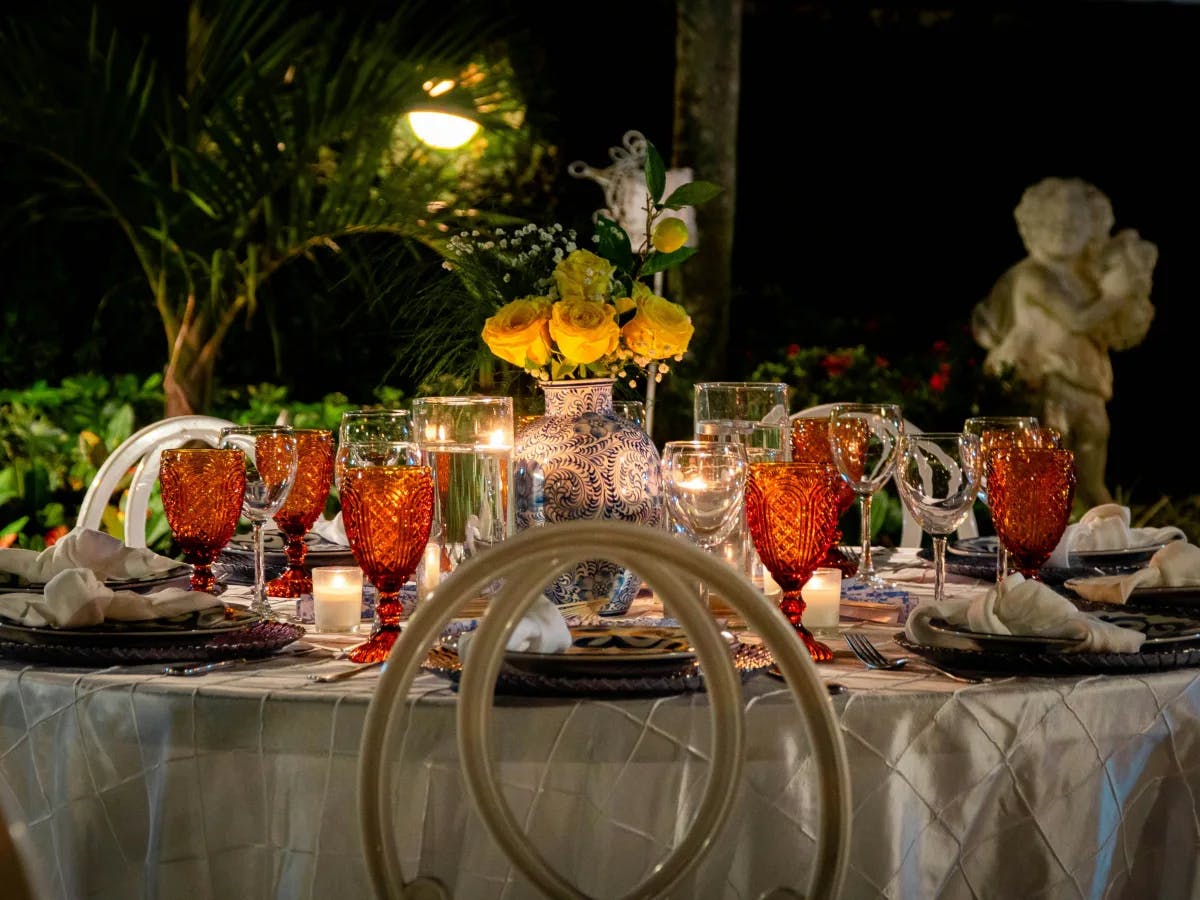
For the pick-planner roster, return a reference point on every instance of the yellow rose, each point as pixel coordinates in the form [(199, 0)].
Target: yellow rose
[(519, 332), (585, 275), (584, 330), (659, 329), (623, 304)]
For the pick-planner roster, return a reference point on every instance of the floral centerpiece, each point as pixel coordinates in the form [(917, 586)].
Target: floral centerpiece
[(577, 319), (572, 312)]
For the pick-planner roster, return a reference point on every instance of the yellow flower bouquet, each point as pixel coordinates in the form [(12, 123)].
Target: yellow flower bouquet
[(578, 313)]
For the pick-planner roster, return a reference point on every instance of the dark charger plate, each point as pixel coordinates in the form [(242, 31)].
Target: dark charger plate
[(976, 558), (258, 639)]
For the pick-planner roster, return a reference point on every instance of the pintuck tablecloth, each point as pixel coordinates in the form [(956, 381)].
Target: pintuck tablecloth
[(242, 784)]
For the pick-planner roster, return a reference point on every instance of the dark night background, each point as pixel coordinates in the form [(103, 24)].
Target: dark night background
[(881, 150)]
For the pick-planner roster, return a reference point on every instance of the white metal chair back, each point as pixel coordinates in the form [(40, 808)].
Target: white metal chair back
[(672, 567), (142, 450), (910, 531)]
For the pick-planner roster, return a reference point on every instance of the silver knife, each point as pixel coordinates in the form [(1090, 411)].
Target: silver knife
[(204, 668), (338, 676)]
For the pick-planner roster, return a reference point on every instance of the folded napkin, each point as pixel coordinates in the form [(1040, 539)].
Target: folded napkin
[(1021, 607), (332, 530), (85, 548), (77, 598), (1106, 527), (1175, 565), (542, 630)]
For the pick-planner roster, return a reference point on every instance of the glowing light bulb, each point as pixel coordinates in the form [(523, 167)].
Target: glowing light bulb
[(445, 131)]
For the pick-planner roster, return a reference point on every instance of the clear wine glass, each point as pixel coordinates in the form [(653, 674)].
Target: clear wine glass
[(937, 476), (865, 440), (994, 431), (704, 483), (271, 456)]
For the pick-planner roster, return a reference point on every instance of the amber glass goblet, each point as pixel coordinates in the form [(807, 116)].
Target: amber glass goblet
[(998, 433), (1030, 491), (810, 443), (387, 511), (202, 498), (305, 502), (792, 513)]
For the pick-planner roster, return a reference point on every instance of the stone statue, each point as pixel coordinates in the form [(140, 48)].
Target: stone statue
[(1054, 316)]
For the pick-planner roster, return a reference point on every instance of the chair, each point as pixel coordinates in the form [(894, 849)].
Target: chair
[(910, 531), (672, 567), (142, 450)]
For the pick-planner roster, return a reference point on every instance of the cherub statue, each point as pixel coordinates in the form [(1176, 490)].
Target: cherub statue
[(1054, 316)]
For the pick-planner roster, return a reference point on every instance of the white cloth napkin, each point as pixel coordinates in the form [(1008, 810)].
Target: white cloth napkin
[(1022, 607), (1175, 565), (332, 530), (77, 598), (1106, 527), (542, 630), (85, 548)]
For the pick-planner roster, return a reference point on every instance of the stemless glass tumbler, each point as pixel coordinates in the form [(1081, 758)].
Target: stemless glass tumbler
[(467, 442), (202, 497), (755, 415)]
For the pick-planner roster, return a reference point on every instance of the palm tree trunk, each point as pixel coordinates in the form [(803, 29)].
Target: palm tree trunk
[(708, 44)]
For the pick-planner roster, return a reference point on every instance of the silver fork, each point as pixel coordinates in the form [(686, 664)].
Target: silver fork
[(869, 655)]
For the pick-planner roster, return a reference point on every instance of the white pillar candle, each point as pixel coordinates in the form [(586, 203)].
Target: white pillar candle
[(822, 597), (337, 597)]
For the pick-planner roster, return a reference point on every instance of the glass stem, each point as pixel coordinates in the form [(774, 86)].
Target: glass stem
[(260, 589), (1001, 563), (939, 568), (866, 569)]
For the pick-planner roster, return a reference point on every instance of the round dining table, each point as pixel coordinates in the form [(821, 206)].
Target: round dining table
[(126, 782)]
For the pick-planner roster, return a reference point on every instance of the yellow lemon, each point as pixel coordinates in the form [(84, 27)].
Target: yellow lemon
[(669, 235)]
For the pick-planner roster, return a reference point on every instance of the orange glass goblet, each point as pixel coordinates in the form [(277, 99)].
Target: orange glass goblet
[(202, 498), (1030, 491), (305, 502), (387, 511), (1001, 437), (810, 443), (792, 513)]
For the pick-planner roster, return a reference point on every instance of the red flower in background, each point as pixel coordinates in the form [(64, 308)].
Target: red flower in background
[(881, 362), (941, 348), (836, 364), (54, 534), (940, 379), (793, 350)]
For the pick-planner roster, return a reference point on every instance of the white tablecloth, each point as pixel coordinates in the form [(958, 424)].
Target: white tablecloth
[(242, 784)]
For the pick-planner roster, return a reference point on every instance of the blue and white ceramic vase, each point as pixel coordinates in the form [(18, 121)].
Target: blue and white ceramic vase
[(581, 461)]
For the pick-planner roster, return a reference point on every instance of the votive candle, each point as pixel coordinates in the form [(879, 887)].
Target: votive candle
[(337, 597), (822, 595)]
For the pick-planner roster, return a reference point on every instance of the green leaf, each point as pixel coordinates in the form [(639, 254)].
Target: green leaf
[(692, 194), (614, 244), (660, 262), (656, 173), (14, 527)]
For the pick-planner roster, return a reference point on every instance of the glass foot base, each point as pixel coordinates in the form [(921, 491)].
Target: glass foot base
[(377, 647), (291, 583)]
